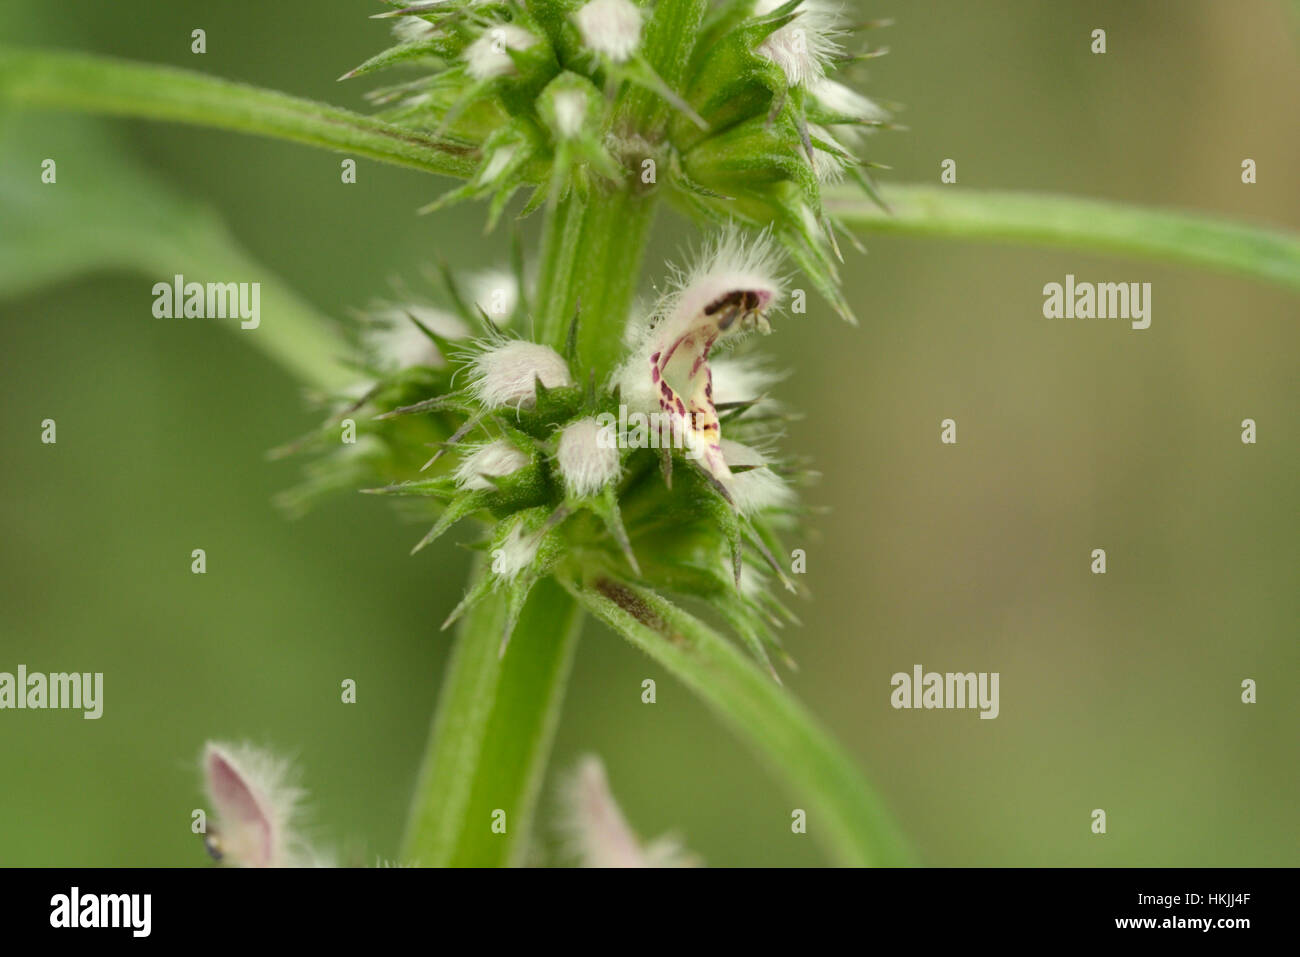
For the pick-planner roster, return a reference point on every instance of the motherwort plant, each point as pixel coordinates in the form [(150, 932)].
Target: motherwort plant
[(583, 408), (508, 405), (596, 111)]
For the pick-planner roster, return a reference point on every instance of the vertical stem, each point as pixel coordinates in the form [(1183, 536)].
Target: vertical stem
[(496, 719), (492, 734), (591, 260), (592, 249), (669, 42)]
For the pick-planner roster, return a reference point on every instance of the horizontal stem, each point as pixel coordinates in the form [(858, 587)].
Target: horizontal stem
[(843, 811), (1256, 252), (96, 84)]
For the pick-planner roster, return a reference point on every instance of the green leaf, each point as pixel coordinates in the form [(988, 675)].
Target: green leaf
[(492, 733), (843, 811), (106, 214), (47, 78), (1257, 252)]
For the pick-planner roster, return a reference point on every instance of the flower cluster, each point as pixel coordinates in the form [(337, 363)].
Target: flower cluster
[(656, 470), (753, 122), (631, 479)]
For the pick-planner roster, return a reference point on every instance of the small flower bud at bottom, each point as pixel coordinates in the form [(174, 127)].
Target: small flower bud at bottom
[(254, 807)]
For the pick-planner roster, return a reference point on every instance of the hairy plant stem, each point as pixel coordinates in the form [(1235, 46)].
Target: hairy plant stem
[(591, 258), (1041, 219), (492, 734), (496, 717), (105, 85)]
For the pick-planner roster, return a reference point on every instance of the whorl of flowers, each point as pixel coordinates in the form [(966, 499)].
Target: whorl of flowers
[(658, 471), (759, 119)]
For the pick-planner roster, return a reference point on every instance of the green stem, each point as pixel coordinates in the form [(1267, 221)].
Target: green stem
[(591, 259), (98, 84), (669, 41), (496, 717), (1174, 235), (492, 734), (592, 249), (843, 812)]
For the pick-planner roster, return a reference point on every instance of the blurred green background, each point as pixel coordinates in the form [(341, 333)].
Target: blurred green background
[(1118, 692)]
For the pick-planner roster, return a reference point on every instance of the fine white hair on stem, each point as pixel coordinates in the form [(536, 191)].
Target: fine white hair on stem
[(758, 487), (595, 831), (255, 806), (610, 27), (491, 460), (507, 374), (587, 456), (804, 46), (486, 58)]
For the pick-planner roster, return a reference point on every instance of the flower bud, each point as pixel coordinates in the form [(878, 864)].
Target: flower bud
[(254, 808), (587, 457), (493, 460), (507, 375), (486, 58), (611, 28)]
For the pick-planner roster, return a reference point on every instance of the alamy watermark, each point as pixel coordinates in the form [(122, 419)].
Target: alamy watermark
[(179, 299), (1102, 300), (64, 690), (930, 689), (647, 430), (129, 911)]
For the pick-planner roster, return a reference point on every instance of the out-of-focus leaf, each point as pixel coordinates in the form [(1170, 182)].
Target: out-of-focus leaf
[(104, 213)]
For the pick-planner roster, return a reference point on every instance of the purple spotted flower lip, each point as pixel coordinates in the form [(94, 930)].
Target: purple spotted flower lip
[(728, 292)]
